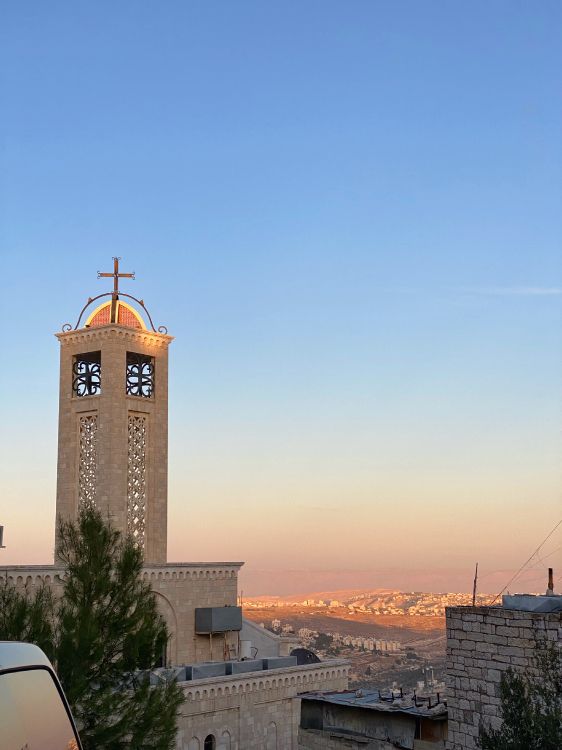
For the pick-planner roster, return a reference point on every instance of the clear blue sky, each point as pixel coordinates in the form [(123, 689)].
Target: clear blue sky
[(349, 215)]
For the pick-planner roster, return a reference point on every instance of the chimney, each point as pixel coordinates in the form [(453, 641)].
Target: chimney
[(550, 589)]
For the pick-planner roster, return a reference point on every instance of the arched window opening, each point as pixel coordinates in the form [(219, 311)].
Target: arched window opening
[(210, 742)]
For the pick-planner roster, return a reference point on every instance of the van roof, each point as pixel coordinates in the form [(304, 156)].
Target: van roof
[(14, 654)]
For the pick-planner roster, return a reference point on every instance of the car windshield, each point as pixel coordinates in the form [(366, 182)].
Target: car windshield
[(32, 714)]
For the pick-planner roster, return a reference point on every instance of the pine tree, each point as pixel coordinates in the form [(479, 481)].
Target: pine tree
[(105, 629), (530, 706), (28, 616)]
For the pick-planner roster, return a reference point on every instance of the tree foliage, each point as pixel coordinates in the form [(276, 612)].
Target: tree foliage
[(27, 616), (530, 706), (104, 629)]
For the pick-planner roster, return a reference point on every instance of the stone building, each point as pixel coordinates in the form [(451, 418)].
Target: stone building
[(482, 642), (113, 455)]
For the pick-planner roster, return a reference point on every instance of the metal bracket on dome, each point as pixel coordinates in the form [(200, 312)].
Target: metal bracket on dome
[(68, 327)]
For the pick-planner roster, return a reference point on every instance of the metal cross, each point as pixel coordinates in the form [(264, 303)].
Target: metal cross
[(116, 276)]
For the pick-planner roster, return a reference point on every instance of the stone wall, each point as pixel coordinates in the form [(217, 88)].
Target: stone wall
[(255, 711), (482, 642), (110, 409), (266, 642), (180, 588)]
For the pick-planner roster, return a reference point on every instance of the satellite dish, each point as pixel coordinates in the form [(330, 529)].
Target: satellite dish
[(305, 656)]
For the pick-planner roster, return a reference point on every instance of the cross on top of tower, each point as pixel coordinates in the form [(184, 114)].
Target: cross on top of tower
[(117, 311), (116, 276)]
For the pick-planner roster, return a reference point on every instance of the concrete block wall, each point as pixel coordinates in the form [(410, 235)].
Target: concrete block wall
[(482, 642)]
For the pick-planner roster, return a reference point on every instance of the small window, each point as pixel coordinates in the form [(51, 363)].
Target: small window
[(140, 375), (86, 374), (210, 742)]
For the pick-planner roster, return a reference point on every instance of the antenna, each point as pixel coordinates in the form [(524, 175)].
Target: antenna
[(474, 587)]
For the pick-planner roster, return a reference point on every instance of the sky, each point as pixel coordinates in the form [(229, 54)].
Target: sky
[(348, 215)]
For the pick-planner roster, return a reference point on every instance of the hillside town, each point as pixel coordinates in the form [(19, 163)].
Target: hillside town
[(375, 602)]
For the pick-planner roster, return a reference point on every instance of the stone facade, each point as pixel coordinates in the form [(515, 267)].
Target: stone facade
[(255, 711), (180, 588), (102, 457), (482, 642)]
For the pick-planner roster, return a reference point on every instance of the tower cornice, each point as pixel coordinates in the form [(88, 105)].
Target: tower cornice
[(124, 332)]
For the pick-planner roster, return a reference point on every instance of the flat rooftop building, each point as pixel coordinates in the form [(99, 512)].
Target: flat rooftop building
[(371, 719)]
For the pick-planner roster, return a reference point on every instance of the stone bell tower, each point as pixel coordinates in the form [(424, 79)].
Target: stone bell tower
[(113, 418)]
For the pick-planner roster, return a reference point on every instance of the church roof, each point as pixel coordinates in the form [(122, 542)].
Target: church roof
[(126, 315)]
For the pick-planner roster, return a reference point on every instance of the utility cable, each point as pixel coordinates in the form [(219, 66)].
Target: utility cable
[(528, 561)]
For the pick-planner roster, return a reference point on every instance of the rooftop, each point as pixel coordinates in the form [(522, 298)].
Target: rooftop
[(390, 702), (532, 602)]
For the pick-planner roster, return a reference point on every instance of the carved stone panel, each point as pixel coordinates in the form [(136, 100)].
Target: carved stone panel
[(136, 477), (87, 460)]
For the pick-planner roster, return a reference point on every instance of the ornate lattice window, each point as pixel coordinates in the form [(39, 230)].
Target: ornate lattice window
[(136, 477), (87, 463), (140, 375), (86, 374)]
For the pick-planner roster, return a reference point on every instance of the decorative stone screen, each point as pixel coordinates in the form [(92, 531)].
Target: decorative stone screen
[(86, 374), (140, 375), (136, 477), (87, 462)]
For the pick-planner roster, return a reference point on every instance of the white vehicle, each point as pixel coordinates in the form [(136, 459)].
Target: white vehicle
[(34, 714)]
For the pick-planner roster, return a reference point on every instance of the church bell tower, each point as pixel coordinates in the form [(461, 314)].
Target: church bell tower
[(113, 417)]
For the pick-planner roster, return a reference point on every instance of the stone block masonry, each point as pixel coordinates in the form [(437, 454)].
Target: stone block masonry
[(483, 642), (255, 711), (179, 589)]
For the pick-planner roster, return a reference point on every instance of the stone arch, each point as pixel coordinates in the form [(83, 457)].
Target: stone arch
[(168, 612), (194, 744), (225, 742), (271, 736)]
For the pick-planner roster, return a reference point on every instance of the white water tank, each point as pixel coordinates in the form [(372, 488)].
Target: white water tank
[(245, 649)]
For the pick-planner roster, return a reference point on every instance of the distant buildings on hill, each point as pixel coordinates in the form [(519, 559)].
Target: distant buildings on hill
[(393, 603)]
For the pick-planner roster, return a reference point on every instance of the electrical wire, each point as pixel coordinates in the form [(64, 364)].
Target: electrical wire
[(528, 561)]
